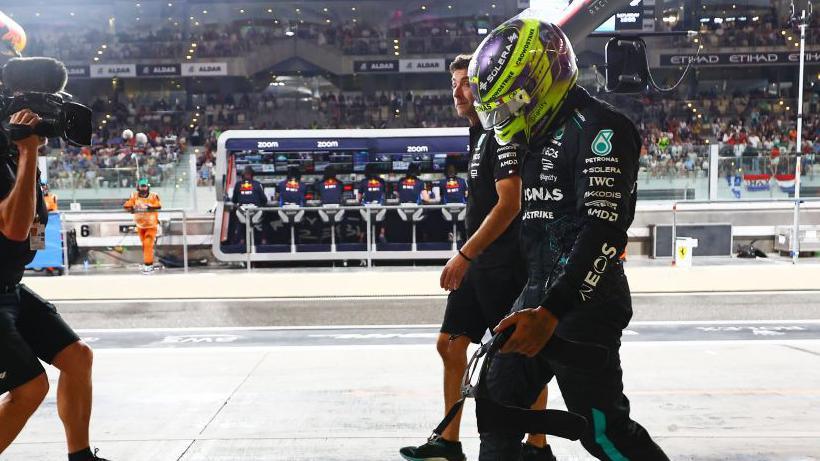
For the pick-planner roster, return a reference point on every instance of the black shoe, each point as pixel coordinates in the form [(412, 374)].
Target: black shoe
[(436, 449), (97, 458), (533, 453)]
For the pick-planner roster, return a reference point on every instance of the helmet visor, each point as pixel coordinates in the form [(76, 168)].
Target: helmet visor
[(493, 114)]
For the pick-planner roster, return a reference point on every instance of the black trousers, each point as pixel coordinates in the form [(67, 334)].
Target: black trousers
[(597, 395)]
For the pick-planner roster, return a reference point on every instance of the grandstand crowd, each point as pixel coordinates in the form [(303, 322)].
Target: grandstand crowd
[(676, 131), (675, 139), (168, 41)]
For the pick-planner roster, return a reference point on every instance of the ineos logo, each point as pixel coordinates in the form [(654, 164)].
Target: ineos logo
[(320, 144), (598, 268), (417, 149)]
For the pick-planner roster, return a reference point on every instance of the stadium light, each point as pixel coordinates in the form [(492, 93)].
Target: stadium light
[(324, 9), (353, 8), (289, 33)]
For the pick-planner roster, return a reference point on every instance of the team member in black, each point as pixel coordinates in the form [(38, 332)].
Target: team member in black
[(579, 175), (30, 327), (487, 275)]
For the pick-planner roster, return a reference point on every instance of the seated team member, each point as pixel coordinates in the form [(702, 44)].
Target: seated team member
[(145, 204), (48, 197), (292, 191), (371, 188), (410, 186), (579, 179), (248, 191), (30, 327), (330, 188), (371, 192), (452, 188), (428, 195)]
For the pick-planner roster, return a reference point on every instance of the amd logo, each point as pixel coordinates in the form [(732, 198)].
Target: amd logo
[(266, 144), (326, 144), (610, 216), (417, 149)]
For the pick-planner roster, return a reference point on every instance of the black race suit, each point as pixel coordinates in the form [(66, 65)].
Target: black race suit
[(579, 200)]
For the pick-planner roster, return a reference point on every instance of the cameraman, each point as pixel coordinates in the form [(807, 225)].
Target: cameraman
[(30, 327)]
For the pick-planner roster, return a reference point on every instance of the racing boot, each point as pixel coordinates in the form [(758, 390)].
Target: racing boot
[(436, 449), (533, 453)]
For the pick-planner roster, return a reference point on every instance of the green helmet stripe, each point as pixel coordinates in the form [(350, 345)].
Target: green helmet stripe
[(517, 59)]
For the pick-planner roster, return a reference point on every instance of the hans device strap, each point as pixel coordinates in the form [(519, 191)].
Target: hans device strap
[(493, 416)]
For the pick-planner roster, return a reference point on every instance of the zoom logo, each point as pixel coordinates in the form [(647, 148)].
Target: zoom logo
[(417, 149), (266, 144), (326, 144)]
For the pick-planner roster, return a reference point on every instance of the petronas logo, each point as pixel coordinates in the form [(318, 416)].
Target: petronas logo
[(602, 144), (559, 133)]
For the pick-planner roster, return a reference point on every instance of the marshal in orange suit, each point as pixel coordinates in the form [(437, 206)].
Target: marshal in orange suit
[(145, 204)]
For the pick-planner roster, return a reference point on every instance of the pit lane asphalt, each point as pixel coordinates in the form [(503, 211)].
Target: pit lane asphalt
[(122, 314)]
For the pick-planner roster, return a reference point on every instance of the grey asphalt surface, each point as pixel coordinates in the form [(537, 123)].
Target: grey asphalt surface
[(381, 336), (407, 311)]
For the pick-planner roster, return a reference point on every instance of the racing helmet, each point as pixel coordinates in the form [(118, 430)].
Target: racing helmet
[(520, 76)]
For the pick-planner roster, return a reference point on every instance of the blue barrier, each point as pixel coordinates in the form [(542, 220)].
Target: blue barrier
[(52, 255)]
